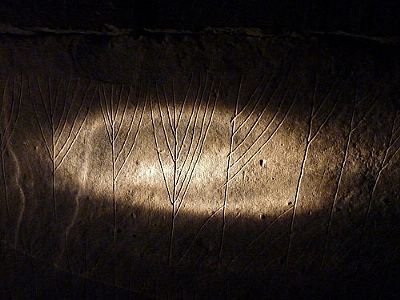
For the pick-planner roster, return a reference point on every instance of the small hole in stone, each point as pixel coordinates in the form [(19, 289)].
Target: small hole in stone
[(289, 203), (263, 163)]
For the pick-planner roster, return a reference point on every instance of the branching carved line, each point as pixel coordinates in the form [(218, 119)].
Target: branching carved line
[(198, 149), (246, 153), (254, 125), (266, 86), (250, 102), (119, 123), (65, 149), (159, 156), (353, 125), (199, 95), (172, 129), (163, 126), (311, 135), (259, 149), (64, 116), (59, 134)]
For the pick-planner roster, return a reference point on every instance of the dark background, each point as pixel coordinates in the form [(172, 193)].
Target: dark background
[(359, 17)]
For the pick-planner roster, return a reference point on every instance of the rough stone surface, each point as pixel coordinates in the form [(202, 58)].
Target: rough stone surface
[(208, 166)]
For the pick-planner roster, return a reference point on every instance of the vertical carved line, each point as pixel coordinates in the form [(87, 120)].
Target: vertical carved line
[(338, 184), (175, 161), (228, 166), (297, 193)]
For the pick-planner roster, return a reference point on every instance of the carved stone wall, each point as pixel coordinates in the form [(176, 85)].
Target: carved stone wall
[(215, 166)]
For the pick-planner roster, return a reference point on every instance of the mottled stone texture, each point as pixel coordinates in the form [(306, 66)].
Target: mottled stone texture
[(198, 166)]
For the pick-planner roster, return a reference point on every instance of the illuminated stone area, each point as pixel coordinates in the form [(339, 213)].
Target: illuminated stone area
[(220, 166)]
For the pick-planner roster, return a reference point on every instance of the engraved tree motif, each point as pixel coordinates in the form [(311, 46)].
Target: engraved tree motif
[(60, 111), (10, 108), (181, 129), (317, 119), (357, 117), (252, 127), (122, 119)]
